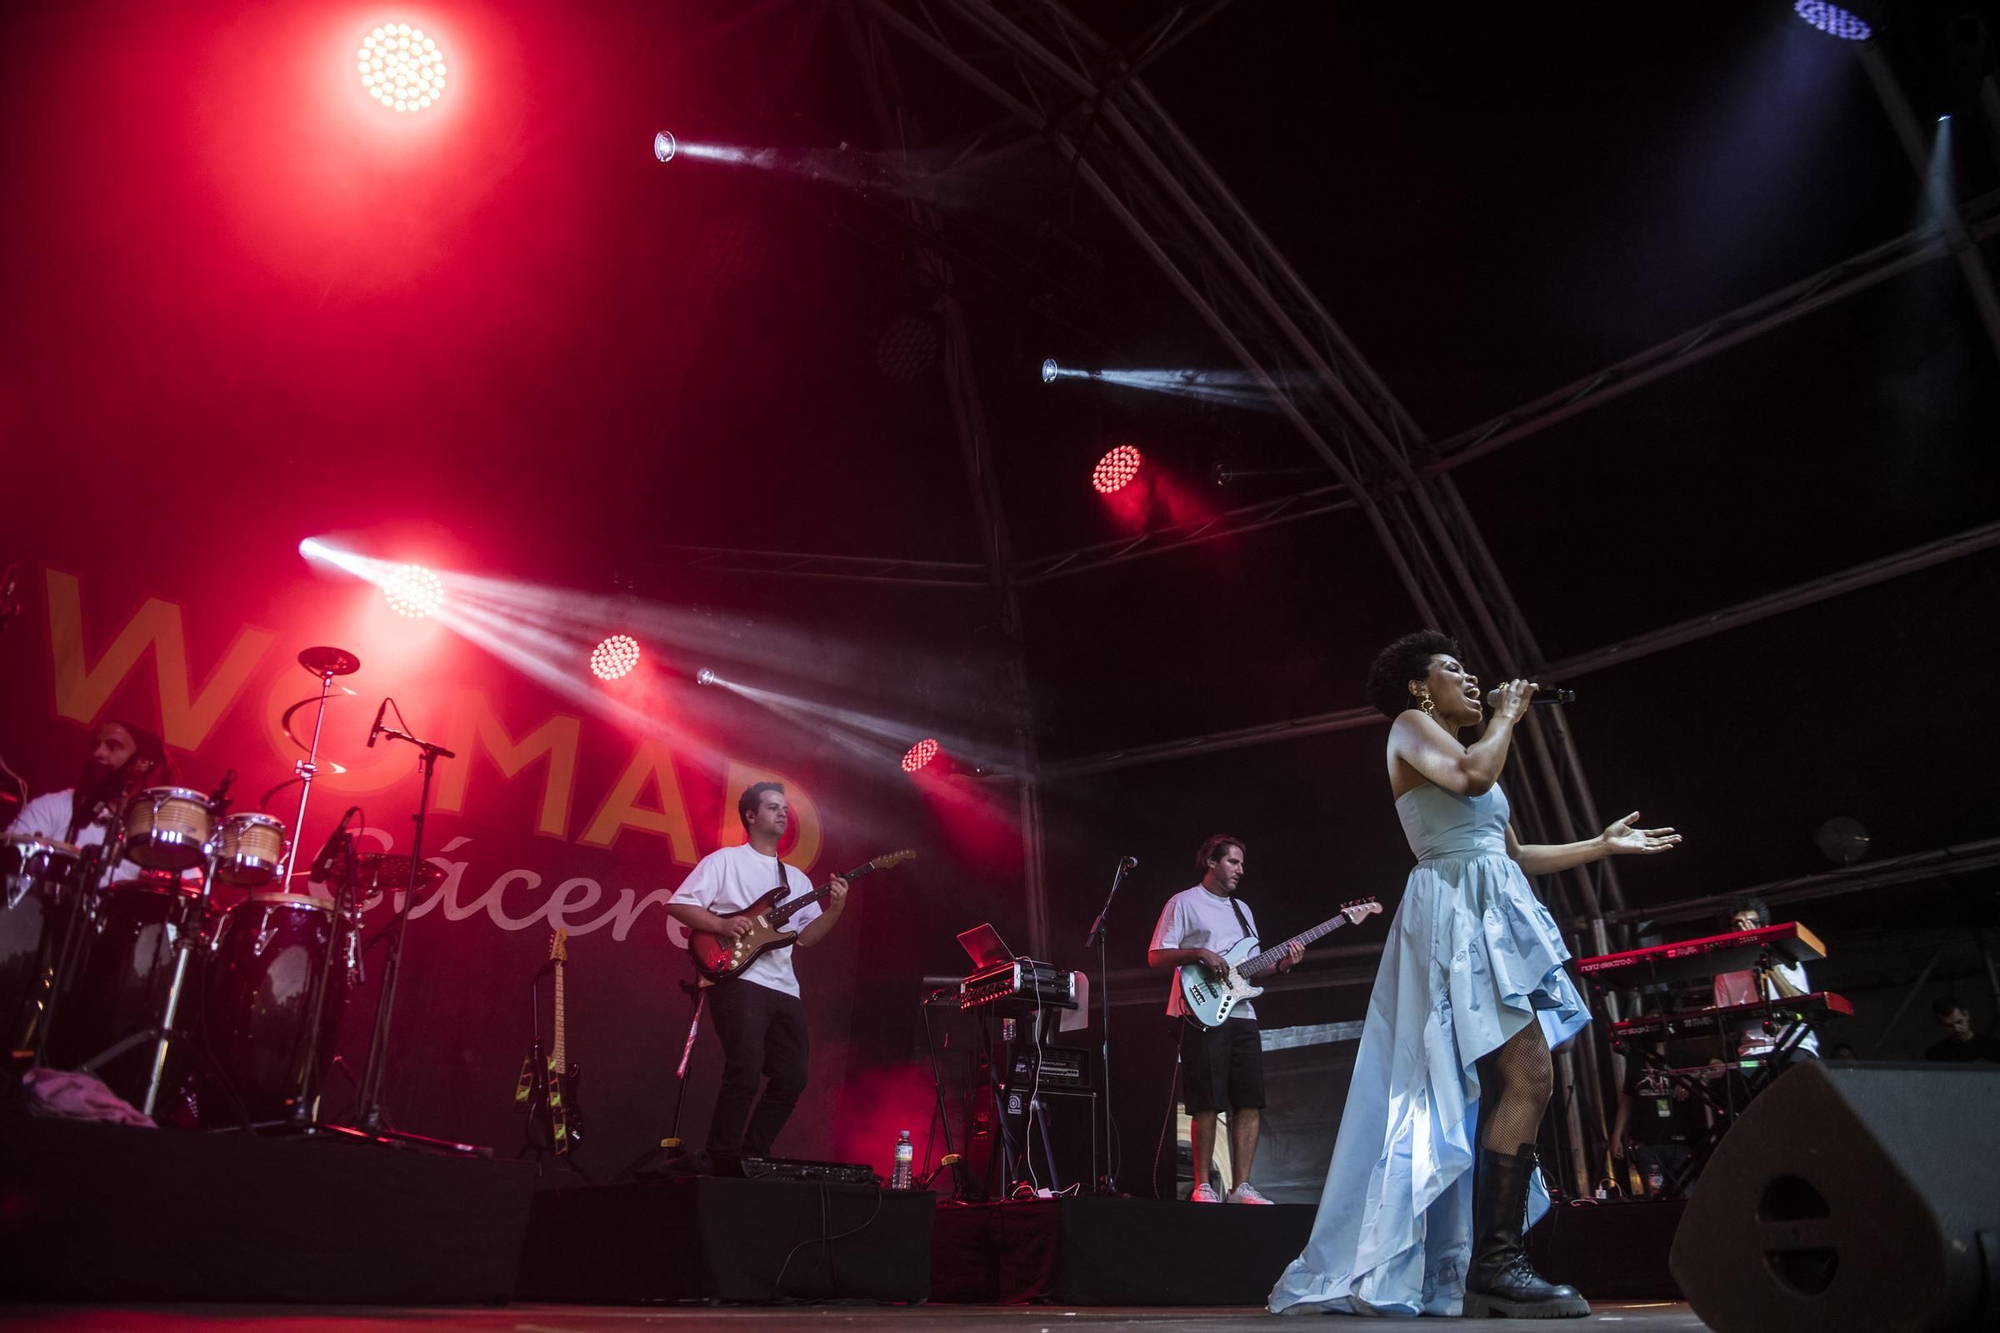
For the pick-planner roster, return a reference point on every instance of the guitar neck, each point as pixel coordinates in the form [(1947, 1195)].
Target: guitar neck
[(783, 913), (1270, 958), (559, 1057)]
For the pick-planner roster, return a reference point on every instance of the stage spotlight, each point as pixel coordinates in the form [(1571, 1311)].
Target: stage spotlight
[(1833, 20), (1050, 370), (312, 550), (614, 658), (705, 677), (1115, 470), (413, 591), (665, 146), (401, 68), (919, 754), (907, 347)]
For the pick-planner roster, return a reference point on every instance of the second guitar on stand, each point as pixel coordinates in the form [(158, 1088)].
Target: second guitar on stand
[(547, 1091)]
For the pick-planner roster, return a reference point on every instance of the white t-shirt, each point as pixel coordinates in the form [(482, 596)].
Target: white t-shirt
[(734, 878), (1741, 988), (1197, 919), (48, 816)]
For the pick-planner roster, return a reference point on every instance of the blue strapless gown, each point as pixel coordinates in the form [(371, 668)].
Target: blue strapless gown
[(1472, 958)]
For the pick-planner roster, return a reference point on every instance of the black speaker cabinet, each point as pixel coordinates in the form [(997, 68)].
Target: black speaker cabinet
[(1851, 1197), (1060, 1146)]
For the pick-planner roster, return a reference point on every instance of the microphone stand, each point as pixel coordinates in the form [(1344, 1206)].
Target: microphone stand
[(372, 1123), (1107, 1183)]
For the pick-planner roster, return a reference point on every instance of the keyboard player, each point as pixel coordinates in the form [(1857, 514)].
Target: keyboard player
[(1756, 984)]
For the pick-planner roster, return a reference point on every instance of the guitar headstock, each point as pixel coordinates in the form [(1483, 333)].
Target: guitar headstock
[(559, 947), (894, 859), (1359, 910)]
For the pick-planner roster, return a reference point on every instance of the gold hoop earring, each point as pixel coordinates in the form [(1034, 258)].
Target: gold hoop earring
[(1430, 709)]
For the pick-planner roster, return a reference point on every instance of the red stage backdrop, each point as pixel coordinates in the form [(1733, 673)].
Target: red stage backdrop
[(550, 817)]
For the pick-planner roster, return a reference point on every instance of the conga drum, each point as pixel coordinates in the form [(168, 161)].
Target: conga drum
[(257, 994), (117, 982)]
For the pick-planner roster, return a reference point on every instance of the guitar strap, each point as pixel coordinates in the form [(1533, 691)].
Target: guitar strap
[(1241, 920)]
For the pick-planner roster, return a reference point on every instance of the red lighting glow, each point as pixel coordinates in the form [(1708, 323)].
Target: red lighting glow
[(401, 68), (413, 591), (919, 754), (614, 658), (1115, 470)]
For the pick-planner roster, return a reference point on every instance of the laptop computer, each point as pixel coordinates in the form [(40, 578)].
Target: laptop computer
[(985, 947)]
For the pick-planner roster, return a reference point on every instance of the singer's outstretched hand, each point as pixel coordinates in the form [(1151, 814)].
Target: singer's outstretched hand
[(1621, 837)]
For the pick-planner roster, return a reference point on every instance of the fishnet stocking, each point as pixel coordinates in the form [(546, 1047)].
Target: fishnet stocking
[(1515, 1083)]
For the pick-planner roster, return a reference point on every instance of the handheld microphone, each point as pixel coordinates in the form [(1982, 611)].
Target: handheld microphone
[(376, 730), (1546, 697)]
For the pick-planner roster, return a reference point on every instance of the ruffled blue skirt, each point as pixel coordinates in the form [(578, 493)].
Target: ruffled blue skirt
[(1472, 958)]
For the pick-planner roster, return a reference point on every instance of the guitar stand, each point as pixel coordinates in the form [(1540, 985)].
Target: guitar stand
[(671, 1157), (544, 1160)]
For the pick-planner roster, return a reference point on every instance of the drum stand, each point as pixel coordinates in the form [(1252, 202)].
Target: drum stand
[(95, 862)]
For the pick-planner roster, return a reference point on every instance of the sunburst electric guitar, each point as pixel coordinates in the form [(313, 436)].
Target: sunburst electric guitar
[(719, 957), (1209, 999), (546, 1093)]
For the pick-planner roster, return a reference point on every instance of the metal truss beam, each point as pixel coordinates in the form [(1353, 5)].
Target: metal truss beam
[(805, 565), (1036, 569), (1942, 551), (1958, 859), (894, 121), (1848, 277), (1831, 285)]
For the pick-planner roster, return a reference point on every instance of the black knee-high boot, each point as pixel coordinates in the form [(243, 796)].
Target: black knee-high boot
[(1501, 1284)]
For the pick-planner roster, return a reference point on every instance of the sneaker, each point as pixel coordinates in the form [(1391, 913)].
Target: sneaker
[(1246, 1193), (1204, 1193)]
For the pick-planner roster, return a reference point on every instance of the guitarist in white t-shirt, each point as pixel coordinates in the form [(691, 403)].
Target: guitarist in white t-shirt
[(758, 1016), (1222, 1068)]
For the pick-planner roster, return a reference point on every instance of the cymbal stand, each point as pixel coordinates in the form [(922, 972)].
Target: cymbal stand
[(372, 1121), (307, 769)]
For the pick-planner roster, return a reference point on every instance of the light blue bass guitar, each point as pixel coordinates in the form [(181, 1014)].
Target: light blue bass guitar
[(1209, 999)]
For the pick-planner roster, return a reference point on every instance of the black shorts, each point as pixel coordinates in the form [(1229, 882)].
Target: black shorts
[(1222, 1069)]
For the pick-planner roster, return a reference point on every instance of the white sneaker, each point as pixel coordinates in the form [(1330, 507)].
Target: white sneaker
[(1204, 1193), (1246, 1193)]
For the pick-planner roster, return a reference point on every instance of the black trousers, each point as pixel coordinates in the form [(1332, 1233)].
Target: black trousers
[(763, 1035)]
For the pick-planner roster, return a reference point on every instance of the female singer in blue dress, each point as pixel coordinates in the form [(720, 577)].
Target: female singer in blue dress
[(1429, 1190)]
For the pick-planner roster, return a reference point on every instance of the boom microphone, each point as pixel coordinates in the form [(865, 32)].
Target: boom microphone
[(376, 730), (323, 864)]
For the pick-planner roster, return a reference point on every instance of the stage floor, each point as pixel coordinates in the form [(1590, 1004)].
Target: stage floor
[(1652, 1317)]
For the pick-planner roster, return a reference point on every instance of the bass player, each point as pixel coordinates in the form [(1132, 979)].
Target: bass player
[(759, 1017), (1221, 1067)]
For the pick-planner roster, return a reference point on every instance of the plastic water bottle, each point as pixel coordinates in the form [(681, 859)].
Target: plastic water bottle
[(906, 1156), (1656, 1181)]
